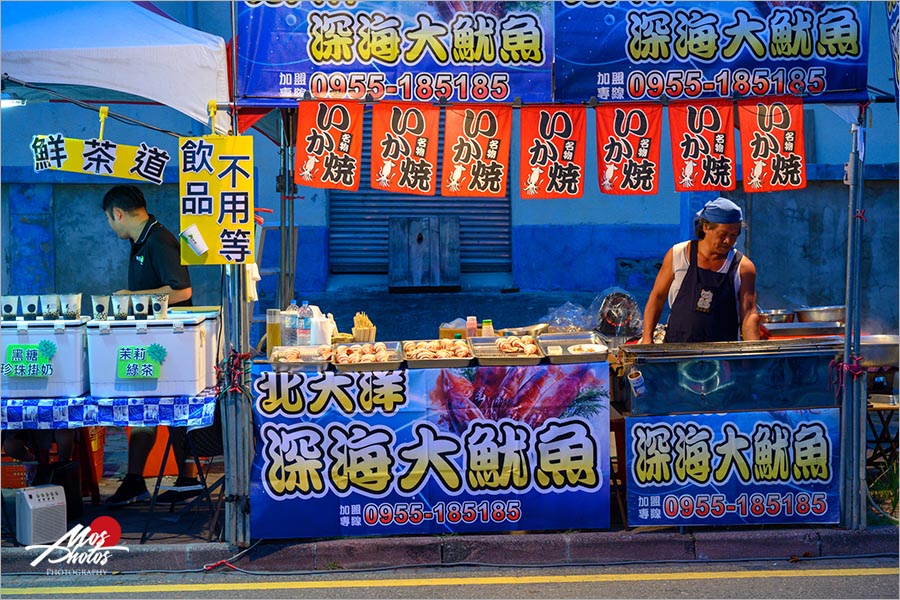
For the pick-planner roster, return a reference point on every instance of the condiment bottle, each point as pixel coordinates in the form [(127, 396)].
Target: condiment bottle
[(487, 328), (471, 327)]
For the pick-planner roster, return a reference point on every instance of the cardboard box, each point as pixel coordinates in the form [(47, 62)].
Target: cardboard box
[(43, 359), (140, 358)]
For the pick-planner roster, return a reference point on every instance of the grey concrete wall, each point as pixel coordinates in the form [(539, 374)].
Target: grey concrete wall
[(798, 241), (91, 259), (86, 255)]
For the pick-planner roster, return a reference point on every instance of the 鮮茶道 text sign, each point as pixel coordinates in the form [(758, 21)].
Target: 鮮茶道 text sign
[(741, 468), (99, 157), (422, 451), (216, 199)]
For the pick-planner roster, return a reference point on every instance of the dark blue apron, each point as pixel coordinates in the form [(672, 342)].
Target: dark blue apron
[(704, 309)]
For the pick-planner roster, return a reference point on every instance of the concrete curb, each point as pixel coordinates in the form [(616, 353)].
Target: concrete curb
[(492, 549)]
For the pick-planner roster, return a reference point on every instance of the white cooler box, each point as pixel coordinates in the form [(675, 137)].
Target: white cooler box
[(124, 357), (214, 335), (44, 359)]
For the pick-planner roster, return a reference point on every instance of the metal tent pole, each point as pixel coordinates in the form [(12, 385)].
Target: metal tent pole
[(236, 416), (853, 407)]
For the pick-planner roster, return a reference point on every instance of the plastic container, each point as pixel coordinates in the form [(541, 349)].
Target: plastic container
[(471, 327), (214, 340), (182, 372), (304, 324), (290, 320), (487, 328), (273, 330), (29, 373)]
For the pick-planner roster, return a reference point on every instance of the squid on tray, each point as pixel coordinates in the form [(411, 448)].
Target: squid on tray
[(530, 396)]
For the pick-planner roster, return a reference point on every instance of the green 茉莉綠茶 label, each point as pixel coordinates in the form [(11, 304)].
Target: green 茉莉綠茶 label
[(140, 362)]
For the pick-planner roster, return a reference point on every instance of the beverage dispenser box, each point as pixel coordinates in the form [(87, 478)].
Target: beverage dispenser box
[(44, 359), (139, 358)]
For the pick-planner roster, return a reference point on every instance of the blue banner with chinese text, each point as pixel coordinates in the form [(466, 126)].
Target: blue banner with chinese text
[(734, 468), (394, 50), (626, 51), (421, 451)]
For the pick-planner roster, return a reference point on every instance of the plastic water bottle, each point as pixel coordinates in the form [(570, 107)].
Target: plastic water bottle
[(290, 321), (304, 324)]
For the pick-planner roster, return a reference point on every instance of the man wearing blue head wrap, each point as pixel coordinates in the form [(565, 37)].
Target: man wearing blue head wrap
[(710, 286)]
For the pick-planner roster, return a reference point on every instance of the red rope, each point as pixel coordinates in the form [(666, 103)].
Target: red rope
[(236, 369), (837, 369), (861, 214)]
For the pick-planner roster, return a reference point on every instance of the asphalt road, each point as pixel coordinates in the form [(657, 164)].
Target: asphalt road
[(872, 577)]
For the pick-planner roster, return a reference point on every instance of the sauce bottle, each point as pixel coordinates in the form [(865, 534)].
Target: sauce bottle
[(487, 328), (471, 327)]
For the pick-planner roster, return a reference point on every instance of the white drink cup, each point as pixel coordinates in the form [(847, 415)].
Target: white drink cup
[(70, 305), (192, 236), (100, 307), (50, 306), (10, 306), (119, 304), (159, 303), (29, 306)]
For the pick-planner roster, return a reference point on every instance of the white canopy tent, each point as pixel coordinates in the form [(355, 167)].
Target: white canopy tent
[(93, 47)]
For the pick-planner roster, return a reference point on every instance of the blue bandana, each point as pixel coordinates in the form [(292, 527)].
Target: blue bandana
[(721, 210)]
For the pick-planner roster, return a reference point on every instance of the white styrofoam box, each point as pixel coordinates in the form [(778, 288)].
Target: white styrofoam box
[(181, 373), (40, 514), (214, 335), (68, 375)]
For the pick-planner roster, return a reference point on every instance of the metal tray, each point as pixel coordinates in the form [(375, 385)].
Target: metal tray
[(486, 353), (549, 342), (804, 329), (309, 360), (436, 363), (395, 358)]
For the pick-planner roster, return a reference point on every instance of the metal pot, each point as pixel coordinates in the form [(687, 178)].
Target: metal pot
[(879, 350), (822, 313), (780, 315)]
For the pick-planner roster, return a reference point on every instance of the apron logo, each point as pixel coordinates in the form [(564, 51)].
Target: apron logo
[(705, 301), (140, 259)]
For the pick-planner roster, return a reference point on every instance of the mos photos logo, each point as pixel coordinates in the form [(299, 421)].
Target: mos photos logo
[(83, 547)]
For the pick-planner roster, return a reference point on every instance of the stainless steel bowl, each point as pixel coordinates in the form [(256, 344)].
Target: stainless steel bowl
[(822, 313), (781, 315)]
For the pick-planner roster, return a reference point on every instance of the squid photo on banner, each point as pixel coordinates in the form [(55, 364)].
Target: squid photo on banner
[(405, 147), (772, 153), (551, 156), (703, 155), (628, 141), (329, 144), (476, 150)]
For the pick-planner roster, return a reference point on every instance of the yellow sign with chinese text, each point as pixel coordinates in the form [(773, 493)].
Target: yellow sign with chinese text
[(216, 199), (99, 157)]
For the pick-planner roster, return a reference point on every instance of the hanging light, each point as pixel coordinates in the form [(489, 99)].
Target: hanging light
[(8, 100)]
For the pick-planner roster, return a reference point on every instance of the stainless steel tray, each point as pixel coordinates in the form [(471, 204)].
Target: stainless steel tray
[(804, 329), (309, 359), (487, 353), (436, 363), (395, 358), (556, 347)]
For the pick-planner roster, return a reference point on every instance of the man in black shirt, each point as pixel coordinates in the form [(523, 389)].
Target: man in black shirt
[(153, 268)]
